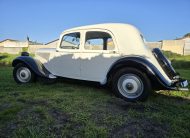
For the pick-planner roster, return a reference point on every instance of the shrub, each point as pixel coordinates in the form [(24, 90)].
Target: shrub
[(25, 49), (6, 59), (178, 61)]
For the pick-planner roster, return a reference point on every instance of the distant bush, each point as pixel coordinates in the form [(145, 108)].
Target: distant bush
[(6, 59), (180, 64), (171, 55), (25, 49), (178, 61)]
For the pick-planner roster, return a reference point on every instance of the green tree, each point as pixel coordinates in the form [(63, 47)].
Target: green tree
[(187, 35)]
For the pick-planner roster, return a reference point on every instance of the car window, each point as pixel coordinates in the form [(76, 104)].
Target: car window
[(110, 44), (70, 41), (96, 40), (94, 44)]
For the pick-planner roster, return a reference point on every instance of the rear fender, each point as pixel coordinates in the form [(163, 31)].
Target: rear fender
[(157, 79)]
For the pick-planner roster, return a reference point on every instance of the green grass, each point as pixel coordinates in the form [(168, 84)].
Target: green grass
[(79, 110), (178, 61), (175, 56), (66, 109)]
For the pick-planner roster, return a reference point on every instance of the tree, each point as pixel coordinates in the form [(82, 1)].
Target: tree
[(187, 35)]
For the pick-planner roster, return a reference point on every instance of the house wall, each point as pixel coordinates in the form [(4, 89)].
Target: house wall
[(15, 44), (187, 49), (154, 44), (52, 44), (181, 46), (175, 46), (33, 48), (1, 49), (12, 47), (11, 50)]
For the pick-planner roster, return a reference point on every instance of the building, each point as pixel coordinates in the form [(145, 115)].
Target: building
[(52, 44), (12, 46), (180, 46), (15, 46)]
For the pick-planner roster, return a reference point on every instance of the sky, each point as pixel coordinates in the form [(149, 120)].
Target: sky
[(44, 20)]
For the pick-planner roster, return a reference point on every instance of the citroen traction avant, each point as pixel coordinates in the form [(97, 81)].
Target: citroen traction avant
[(112, 54)]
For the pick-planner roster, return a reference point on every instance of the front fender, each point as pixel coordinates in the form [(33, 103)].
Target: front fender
[(35, 65)]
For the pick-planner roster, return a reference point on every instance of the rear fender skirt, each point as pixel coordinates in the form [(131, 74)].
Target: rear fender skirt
[(142, 64), (35, 65)]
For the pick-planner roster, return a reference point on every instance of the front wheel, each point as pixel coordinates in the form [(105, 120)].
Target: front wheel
[(23, 74), (131, 84)]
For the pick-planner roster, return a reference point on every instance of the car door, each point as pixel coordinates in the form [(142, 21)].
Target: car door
[(65, 62), (99, 53)]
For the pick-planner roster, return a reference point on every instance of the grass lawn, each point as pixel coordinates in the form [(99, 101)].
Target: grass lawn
[(80, 110), (178, 61), (66, 109)]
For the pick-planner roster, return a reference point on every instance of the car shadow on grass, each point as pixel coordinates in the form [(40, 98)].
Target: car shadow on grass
[(159, 116)]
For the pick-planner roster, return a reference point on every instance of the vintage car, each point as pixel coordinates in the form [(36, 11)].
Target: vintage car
[(112, 54)]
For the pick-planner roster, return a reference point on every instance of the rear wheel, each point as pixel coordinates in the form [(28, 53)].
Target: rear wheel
[(23, 74), (131, 84)]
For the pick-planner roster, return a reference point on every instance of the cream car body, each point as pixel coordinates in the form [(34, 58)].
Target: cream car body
[(113, 54), (93, 65)]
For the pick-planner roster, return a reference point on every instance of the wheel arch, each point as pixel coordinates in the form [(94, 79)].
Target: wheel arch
[(33, 64), (157, 80)]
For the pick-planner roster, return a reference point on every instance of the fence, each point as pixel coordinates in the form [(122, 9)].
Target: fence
[(154, 44), (17, 50), (181, 47)]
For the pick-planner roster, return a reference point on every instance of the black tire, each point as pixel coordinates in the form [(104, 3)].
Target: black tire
[(17, 69), (135, 80)]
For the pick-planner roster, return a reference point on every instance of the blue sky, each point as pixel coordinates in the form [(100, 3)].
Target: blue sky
[(44, 20)]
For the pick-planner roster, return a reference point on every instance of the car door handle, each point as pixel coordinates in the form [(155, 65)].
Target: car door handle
[(112, 52)]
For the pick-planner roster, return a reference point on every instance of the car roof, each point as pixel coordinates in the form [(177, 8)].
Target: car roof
[(107, 26)]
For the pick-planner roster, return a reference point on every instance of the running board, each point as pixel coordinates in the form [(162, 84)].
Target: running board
[(51, 76)]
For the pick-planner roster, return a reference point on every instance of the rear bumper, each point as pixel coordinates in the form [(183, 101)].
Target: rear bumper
[(181, 85), (184, 83), (177, 82)]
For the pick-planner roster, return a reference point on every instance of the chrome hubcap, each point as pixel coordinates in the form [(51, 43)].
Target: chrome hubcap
[(23, 74), (130, 85)]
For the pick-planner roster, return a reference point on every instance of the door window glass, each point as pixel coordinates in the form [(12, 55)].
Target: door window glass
[(98, 41), (70, 41)]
